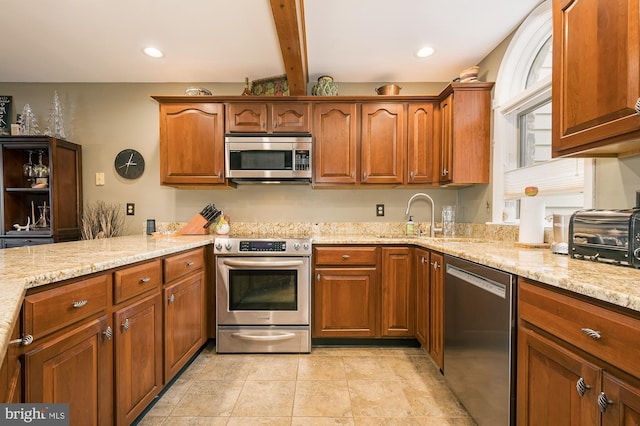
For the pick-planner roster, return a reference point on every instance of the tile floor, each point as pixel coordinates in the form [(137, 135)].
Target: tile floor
[(330, 386)]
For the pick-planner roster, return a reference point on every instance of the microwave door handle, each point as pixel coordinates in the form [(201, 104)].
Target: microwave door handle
[(262, 264)]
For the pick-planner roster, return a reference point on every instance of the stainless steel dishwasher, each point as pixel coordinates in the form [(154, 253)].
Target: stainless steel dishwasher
[(479, 339)]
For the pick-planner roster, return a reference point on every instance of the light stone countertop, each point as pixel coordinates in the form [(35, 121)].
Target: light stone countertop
[(27, 267)]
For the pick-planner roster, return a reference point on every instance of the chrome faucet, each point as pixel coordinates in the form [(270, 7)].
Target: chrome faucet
[(433, 229)]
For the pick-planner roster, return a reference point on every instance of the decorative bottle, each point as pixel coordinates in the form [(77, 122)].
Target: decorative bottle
[(247, 89)]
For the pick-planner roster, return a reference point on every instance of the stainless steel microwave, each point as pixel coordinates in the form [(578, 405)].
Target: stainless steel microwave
[(260, 157)]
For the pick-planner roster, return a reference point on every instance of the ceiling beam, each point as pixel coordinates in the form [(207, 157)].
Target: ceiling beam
[(288, 16)]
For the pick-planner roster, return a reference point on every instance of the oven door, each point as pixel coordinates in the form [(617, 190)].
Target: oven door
[(263, 290)]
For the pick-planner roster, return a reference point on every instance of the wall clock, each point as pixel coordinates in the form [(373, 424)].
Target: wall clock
[(129, 164)]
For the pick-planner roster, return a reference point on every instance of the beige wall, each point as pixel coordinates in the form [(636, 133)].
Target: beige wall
[(106, 118)]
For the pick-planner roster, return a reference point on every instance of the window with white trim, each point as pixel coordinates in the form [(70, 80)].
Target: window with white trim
[(522, 128)]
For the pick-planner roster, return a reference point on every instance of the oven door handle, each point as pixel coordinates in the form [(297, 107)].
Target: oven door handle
[(264, 337), (262, 264)]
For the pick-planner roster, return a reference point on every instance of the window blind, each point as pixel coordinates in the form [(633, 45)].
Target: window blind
[(563, 175)]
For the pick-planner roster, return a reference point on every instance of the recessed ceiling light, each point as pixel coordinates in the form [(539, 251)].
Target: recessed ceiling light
[(425, 51), (153, 52)]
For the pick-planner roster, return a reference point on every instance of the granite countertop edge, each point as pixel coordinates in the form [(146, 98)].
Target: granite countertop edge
[(28, 267)]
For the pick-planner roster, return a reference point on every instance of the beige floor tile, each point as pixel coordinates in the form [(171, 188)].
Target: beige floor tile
[(251, 421), (273, 367), (386, 421), (225, 367), (209, 398), (322, 421), (196, 421), (378, 398), (265, 398), (369, 368), (321, 368), (323, 398)]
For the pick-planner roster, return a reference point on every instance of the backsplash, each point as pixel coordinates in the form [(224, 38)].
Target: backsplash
[(373, 229)]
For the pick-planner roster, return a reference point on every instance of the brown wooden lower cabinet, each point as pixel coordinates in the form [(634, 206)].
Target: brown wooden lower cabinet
[(436, 309), (184, 322), (398, 293), (75, 368), (422, 269), (577, 360), (11, 372), (138, 356)]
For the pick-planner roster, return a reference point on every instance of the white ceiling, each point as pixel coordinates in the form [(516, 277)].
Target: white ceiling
[(226, 40)]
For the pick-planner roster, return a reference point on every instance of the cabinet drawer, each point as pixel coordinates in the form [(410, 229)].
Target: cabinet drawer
[(136, 280), (608, 335), (183, 264), (51, 310), (346, 255)]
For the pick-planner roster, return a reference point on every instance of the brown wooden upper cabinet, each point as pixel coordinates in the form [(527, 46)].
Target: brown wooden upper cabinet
[(420, 143), (596, 78), (335, 147), (261, 117), (383, 142), (191, 144), (464, 134)]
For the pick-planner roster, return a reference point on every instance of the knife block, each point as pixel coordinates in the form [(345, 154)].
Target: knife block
[(195, 226)]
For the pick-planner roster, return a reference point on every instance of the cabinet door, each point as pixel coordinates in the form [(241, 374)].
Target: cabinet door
[(596, 78), (436, 310), (398, 293), (11, 371), (138, 356), (344, 302), (445, 164), (420, 148), (191, 144), (624, 408), (247, 118), (184, 322), (291, 117), (383, 143), (74, 368), (421, 261), (335, 153), (548, 377)]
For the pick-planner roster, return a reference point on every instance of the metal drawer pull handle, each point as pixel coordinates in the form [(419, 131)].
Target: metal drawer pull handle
[(125, 325), (108, 333), (172, 299), (190, 263), (265, 337), (603, 402), (595, 335), (346, 256), (80, 303), (638, 106), (318, 277), (582, 387), (145, 280), (25, 341)]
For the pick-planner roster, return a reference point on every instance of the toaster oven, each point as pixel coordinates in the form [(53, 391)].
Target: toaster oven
[(611, 236)]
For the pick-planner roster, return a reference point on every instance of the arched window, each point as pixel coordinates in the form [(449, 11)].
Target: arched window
[(522, 128)]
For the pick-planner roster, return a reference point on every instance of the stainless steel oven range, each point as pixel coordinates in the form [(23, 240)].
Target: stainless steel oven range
[(263, 295)]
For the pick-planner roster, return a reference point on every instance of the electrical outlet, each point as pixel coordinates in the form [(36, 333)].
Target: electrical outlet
[(131, 209), (99, 179), (379, 209)]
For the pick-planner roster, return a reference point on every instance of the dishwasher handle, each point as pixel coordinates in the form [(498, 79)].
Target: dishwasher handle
[(481, 282)]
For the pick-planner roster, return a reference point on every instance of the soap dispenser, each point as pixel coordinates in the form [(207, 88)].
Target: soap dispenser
[(409, 226)]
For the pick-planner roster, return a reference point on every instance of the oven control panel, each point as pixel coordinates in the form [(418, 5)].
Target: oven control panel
[(256, 247)]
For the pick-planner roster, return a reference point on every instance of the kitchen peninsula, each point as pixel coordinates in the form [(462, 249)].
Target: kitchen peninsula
[(28, 268)]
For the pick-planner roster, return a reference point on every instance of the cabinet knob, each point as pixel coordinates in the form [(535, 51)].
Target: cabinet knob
[(582, 387), (172, 298), (25, 341), (125, 325), (423, 260), (411, 175), (436, 265), (595, 335), (445, 172), (145, 280), (108, 333), (190, 263), (80, 303), (603, 402), (353, 174), (364, 176), (346, 256), (318, 277)]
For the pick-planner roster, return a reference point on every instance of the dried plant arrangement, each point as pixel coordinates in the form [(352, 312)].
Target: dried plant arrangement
[(102, 220)]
